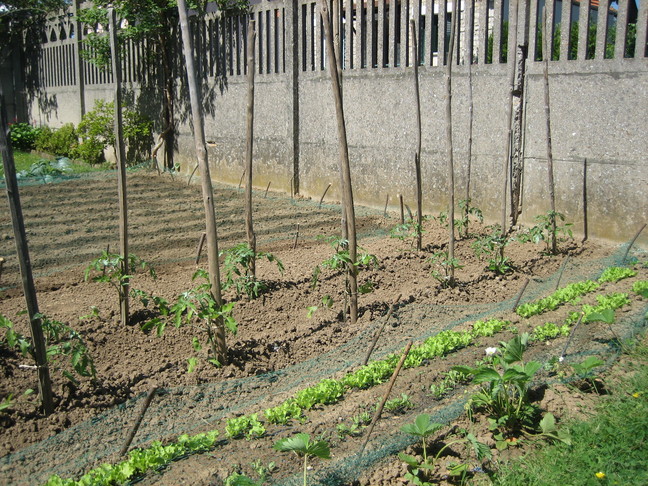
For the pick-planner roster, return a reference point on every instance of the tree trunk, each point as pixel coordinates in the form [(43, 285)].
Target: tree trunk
[(345, 170), (250, 145), (217, 329)]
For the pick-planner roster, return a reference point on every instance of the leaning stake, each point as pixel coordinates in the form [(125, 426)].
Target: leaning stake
[(11, 182), (379, 332), (384, 399)]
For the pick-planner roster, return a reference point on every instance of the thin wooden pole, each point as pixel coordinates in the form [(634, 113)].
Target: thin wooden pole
[(120, 152), (402, 209), (345, 169), (379, 331), (324, 194), (449, 145), (217, 327), (22, 249), (511, 60), (249, 225), (546, 53), (379, 410), (417, 155), (585, 222), (138, 421), (632, 242)]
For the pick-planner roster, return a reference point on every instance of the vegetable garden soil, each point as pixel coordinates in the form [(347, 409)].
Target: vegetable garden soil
[(70, 223)]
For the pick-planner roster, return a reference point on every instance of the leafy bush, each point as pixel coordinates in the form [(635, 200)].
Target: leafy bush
[(63, 141), (23, 136), (96, 131)]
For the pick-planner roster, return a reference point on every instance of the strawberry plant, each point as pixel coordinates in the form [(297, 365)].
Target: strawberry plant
[(504, 395), (399, 404), (421, 472), (302, 445)]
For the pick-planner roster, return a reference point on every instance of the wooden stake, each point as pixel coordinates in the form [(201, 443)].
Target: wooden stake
[(200, 247), (560, 272), (296, 237), (138, 421), (546, 54), (633, 242), (402, 209), (519, 296), (386, 202), (417, 154), (268, 187), (449, 144), (343, 162), (249, 225), (379, 410), (120, 153), (379, 331), (24, 263), (216, 329), (322, 198), (241, 180), (585, 229)]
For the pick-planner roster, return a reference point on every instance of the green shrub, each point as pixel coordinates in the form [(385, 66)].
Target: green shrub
[(63, 141), (23, 136), (96, 131)]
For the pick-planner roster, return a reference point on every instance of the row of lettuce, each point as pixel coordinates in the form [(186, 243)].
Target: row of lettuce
[(331, 391)]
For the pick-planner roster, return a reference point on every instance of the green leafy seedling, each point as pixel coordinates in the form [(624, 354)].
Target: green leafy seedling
[(422, 428), (302, 445)]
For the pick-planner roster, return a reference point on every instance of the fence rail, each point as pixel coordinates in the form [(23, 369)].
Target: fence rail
[(373, 34)]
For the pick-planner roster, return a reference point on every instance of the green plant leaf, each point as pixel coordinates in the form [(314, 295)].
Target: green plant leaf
[(605, 315)]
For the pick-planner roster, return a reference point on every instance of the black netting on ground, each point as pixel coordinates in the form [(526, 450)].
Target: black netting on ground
[(98, 440)]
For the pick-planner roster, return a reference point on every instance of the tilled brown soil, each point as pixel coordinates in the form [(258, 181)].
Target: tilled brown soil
[(70, 223)]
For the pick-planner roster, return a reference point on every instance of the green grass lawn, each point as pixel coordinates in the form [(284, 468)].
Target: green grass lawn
[(610, 448), (24, 160)]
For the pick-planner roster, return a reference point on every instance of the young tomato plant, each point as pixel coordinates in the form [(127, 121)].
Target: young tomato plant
[(444, 267), (112, 269), (408, 232), (492, 246), (60, 340), (544, 231), (338, 262), (237, 268), (200, 303)]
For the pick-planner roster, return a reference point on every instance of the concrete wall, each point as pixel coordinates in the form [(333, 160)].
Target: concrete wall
[(598, 113)]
